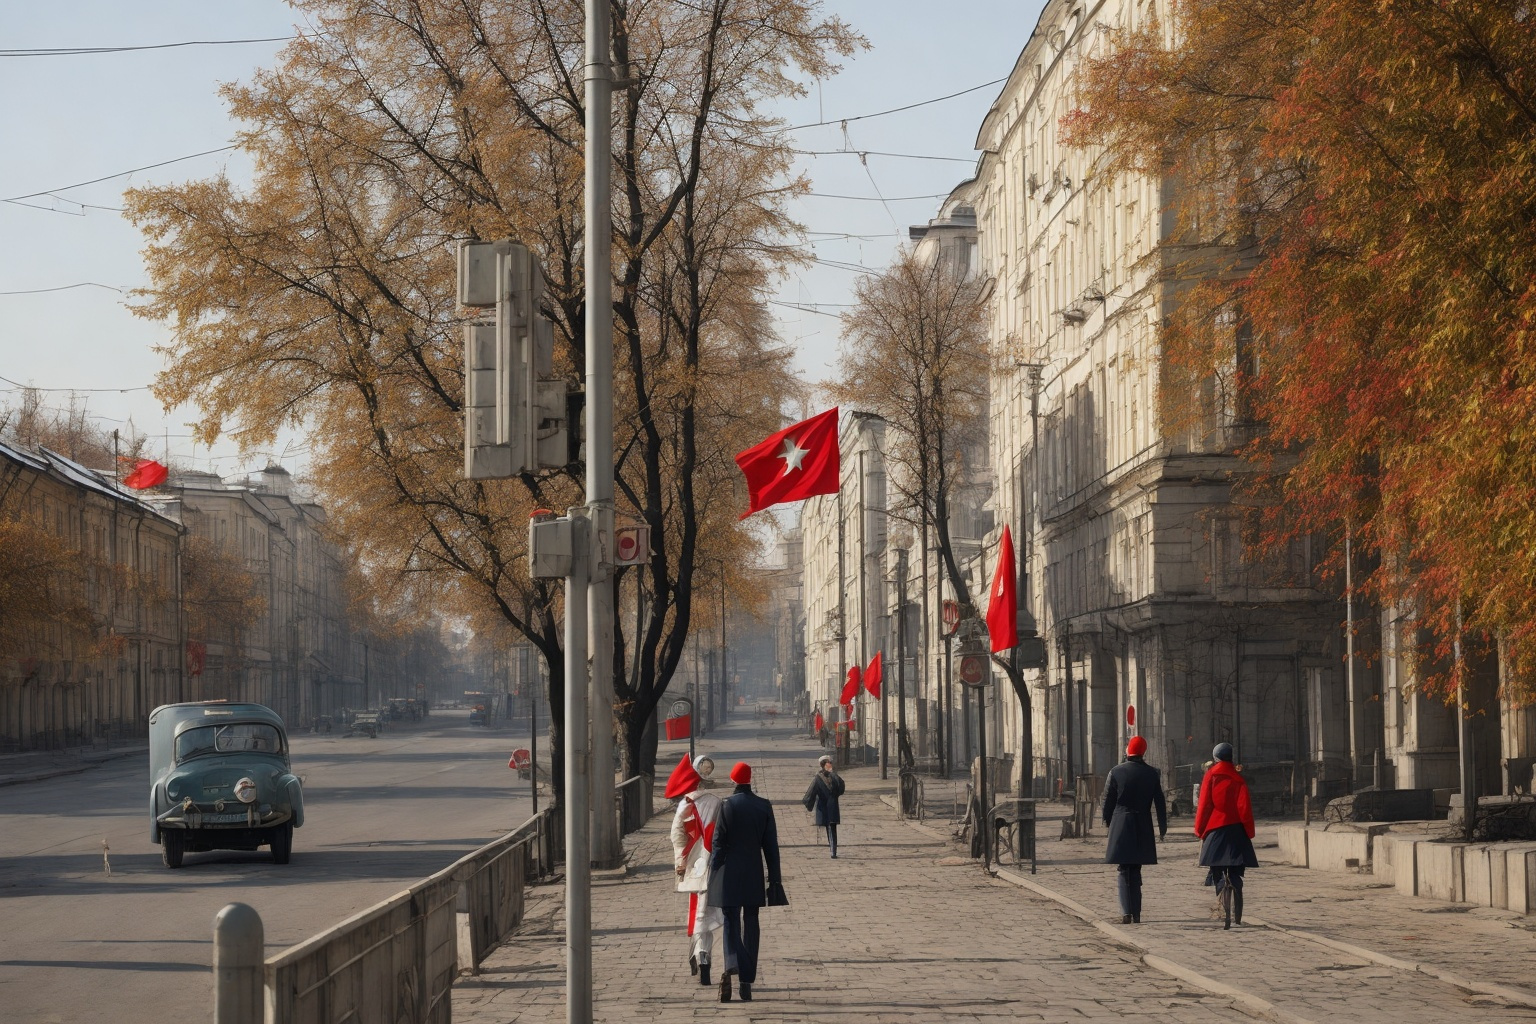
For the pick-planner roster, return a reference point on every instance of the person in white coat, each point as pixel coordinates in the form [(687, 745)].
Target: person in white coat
[(693, 832)]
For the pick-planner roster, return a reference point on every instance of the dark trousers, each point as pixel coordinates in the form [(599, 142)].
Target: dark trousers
[(742, 940), (832, 838), (1130, 889)]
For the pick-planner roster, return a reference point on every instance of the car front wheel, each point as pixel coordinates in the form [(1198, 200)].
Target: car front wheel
[(173, 845), (282, 842)]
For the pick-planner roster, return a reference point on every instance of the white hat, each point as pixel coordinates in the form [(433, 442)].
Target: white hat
[(824, 759), (704, 765)]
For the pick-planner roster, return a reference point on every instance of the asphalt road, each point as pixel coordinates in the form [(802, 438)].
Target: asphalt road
[(82, 944)]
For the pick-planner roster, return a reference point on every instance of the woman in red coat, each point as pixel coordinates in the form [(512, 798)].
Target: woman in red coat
[(1224, 823)]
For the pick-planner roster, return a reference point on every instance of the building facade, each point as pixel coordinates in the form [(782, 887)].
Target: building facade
[(1160, 618), (109, 649)]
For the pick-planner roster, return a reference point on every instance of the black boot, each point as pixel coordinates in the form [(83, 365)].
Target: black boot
[(1237, 905), (746, 991), (693, 964), (704, 974), (725, 987)]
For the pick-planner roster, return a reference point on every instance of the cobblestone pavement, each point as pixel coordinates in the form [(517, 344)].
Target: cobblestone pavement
[(897, 929), (1298, 975)]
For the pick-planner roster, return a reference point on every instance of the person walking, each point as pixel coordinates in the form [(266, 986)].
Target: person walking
[(1224, 823), (746, 838), (822, 799), (693, 832), (1133, 789)]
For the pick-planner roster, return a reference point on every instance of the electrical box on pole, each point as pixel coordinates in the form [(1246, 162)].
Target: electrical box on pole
[(514, 414)]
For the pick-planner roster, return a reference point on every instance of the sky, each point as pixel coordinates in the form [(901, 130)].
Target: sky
[(68, 120)]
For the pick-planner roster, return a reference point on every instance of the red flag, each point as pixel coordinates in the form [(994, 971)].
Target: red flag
[(1003, 606), (146, 473), (872, 676), (792, 465), (820, 722), (851, 687)]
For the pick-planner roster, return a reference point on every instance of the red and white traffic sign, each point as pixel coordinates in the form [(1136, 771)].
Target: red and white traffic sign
[(951, 616), (973, 670), (631, 545)]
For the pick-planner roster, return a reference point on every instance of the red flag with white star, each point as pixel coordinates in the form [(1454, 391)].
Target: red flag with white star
[(792, 465)]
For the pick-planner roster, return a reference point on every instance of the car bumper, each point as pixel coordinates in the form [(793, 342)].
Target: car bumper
[(245, 816)]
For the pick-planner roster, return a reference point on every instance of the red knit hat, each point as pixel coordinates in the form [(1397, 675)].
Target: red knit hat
[(685, 779), (741, 774), (1136, 747)]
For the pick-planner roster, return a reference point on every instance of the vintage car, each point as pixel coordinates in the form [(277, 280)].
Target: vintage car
[(220, 779)]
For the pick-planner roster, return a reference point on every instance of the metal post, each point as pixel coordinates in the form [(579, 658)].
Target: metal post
[(1465, 754), (578, 783), (946, 708), (1069, 778), (239, 946), (725, 679), (842, 632), (986, 815), (863, 579), (598, 271), (903, 745), (1349, 657), (533, 727)]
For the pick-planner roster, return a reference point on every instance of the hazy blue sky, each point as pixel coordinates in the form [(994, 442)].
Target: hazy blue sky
[(70, 119)]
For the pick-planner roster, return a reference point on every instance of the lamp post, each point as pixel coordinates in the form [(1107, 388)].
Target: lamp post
[(903, 745)]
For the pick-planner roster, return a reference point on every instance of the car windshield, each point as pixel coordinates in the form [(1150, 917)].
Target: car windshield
[(256, 737)]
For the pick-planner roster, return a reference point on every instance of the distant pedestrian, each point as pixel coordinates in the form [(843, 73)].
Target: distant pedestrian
[(822, 799), (746, 837), (1134, 788), (1224, 823), (693, 832)]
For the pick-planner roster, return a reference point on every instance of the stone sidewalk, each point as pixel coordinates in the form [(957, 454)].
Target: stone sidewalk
[(1338, 935), (897, 929), (902, 928)]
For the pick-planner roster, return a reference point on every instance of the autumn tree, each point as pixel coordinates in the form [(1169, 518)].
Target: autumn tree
[(1354, 182), (321, 297)]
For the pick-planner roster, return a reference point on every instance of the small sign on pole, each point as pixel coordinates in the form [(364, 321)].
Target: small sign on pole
[(631, 545)]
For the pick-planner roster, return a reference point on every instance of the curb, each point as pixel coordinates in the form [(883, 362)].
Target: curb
[(85, 764), (1513, 996)]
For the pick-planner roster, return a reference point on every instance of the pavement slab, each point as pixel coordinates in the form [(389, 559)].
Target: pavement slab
[(903, 928)]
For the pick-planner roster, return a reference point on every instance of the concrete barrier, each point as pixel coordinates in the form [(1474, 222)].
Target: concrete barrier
[(1293, 844), (1439, 871), (1338, 849)]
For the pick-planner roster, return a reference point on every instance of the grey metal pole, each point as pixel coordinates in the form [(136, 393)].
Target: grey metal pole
[(901, 661), (598, 270), (1349, 658), (985, 824), (239, 946), (842, 635), (578, 783), (526, 670)]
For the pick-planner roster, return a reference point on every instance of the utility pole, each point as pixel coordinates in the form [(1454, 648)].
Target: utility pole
[(903, 745), (598, 271), (842, 619)]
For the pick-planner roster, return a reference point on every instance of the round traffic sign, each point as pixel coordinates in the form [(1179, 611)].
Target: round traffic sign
[(973, 670), (628, 545), (681, 708)]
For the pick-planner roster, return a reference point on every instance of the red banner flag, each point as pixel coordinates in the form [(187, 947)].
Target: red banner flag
[(872, 676), (678, 728), (851, 687), (1003, 606), (145, 473), (792, 465)]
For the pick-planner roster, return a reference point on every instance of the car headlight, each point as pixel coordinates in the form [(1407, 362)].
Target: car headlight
[(245, 791), (173, 790)]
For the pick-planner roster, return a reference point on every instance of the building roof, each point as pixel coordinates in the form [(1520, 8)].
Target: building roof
[(72, 473)]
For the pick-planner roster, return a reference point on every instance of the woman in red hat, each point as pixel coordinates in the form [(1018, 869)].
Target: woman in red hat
[(1133, 789), (1224, 823), (693, 834)]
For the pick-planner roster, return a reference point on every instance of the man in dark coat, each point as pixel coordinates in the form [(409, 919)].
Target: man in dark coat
[(1134, 788), (823, 798), (746, 836)]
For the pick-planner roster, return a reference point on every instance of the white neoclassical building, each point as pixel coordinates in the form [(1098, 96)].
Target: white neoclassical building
[(1157, 618)]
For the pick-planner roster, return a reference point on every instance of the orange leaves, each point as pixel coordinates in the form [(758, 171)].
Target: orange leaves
[(1381, 158)]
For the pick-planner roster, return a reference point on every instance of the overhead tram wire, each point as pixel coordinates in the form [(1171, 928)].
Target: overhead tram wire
[(893, 110), (119, 174), (78, 51)]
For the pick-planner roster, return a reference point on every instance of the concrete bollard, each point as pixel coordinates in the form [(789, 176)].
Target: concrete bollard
[(239, 947)]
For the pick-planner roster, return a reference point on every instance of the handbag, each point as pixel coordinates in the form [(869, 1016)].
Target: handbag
[(777, 897)]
